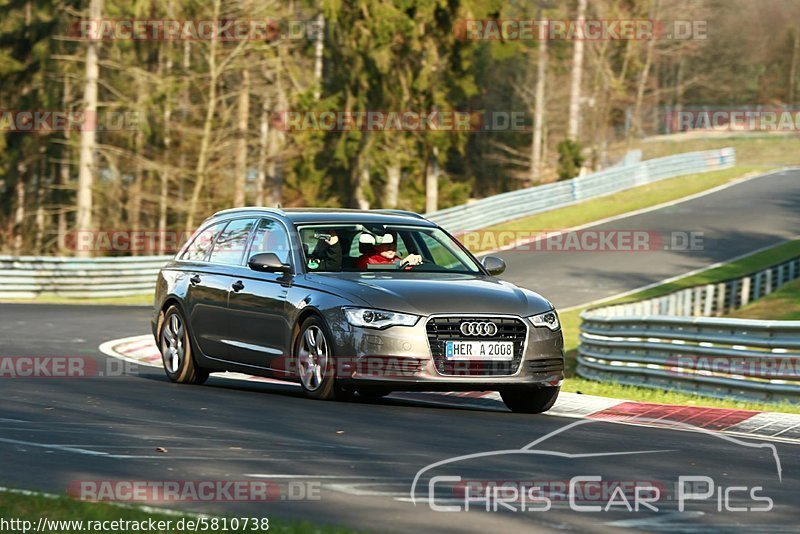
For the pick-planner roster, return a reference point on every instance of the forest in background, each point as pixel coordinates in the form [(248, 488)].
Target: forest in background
[(198, 115)]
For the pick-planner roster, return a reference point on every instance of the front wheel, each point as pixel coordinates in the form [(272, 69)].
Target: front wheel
[(530, 399), (176, 350), (315, 363)]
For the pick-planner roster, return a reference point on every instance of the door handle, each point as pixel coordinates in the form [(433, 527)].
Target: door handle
[(238, 286), (195, 280)]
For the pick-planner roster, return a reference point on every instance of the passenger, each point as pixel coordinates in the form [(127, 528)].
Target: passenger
[(327, 255)]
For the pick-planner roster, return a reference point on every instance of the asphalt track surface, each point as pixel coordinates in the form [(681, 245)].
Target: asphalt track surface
[(363, 456), (729, 223)]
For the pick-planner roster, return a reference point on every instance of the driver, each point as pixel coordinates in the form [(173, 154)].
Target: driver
[(385, 253)]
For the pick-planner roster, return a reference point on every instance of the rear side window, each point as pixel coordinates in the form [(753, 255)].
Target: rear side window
[(231, 243), (201, 245), (271, 236)]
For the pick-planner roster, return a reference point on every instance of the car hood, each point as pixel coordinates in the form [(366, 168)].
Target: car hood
[(435, 293)]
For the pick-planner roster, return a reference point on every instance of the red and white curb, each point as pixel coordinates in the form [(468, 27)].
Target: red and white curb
[(141, 350)]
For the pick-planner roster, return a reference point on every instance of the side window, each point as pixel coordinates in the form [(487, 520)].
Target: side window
[(229, 246), (202, 242), (271, 236)]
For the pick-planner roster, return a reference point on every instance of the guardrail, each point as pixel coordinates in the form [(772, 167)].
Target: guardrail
[(521, 203), (669, 342), (30, 276)]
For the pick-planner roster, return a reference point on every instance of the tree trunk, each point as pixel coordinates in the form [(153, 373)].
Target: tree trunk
[(359, 172), (163, 175), (432, 182), (319, 52), (362, 184), (577, 72), (88, 138), (263, 147), (202, 157), (135, 200), (243, 113), (648, 60), (392, 188), (39, 235), (63, 176), (678, 90), (793, 68), (19, 212), (538, 119), (275, 144)]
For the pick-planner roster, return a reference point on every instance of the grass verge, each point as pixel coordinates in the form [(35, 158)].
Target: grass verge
[(783, 304), (751, 149), (637, 198), (746, 265), (26, 507)]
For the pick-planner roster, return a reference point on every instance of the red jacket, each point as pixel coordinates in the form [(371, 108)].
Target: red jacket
[(373, 259)]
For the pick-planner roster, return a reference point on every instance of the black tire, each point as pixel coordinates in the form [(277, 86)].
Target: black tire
[(175, 344), (530, 399), (322, 386), (372, 392)]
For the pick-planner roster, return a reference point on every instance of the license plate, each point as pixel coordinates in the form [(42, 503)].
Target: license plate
[(479, 350)]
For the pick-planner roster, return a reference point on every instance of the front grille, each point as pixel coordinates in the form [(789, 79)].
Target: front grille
[(550, 365), (441, 329)]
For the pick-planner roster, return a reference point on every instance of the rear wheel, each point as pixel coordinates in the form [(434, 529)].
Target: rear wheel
[(316, 364), (176, 350), (530, 399)]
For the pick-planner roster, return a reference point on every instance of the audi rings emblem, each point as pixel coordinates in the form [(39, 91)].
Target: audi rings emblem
[(475, 328)]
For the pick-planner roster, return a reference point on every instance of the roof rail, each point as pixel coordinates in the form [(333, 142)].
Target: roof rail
[(248, 208), (402, 212)]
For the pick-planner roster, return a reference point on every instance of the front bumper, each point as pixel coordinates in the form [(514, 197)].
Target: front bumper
[(400, 357)]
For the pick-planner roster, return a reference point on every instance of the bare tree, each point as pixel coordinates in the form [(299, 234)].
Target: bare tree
[(88, 139), (793, 67), (319, 52), (643, 76), (243, 115), (538, 115), (432, 182), (211, 107), (577, 71)]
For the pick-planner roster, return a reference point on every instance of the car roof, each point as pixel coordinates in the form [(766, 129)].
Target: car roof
[(330, 215)]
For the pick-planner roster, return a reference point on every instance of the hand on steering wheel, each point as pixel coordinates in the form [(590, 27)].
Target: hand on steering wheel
[(412, 260)]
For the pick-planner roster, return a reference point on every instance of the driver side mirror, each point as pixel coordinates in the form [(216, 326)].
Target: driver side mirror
[(494, 265), (268, 262)]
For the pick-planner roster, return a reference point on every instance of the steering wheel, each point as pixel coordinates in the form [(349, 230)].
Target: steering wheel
[(404, 264)]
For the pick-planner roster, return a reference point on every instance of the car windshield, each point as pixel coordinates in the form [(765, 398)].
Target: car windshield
[(378, 247)]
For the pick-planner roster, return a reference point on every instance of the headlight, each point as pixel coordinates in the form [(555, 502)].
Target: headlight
[(548, 319), (380, 319)]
